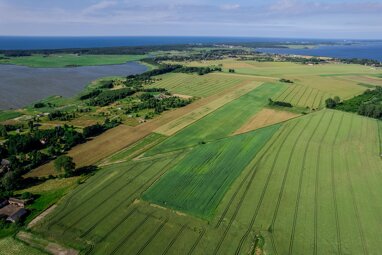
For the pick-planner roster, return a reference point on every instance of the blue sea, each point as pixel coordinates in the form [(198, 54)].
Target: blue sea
[(359, 49), (41, 42), (363, 50)]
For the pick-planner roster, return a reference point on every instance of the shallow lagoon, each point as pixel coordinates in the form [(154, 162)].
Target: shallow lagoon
[(21, 86)]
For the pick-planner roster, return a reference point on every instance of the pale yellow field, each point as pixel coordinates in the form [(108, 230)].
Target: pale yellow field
[(364, 79), (265, 117), (279, 69)]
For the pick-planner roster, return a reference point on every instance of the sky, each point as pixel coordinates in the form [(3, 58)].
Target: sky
[(351, 19)]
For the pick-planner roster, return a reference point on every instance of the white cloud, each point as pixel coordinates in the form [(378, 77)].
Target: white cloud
[(228, 7), (99, 6)]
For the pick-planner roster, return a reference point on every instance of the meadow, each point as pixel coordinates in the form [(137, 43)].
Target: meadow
[(67, 60)]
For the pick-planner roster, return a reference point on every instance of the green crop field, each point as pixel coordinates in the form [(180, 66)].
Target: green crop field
[(63, 60), (311, 189), (307, 185), (196, 85), (197, 184), (221, 122)]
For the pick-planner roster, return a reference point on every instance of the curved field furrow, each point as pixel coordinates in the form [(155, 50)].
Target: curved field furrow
[(127, 237), (107, 214), (282, 94), (297, 96), (316, 191), (245, 179), (305, 103), (99, 204), (152, 237), (67, 202), (289, 93), (112, 229), (354, 202), (254, 216), (300, 185), (302, 95), (241, 198), (283, 185), (178, 234), (197, 241), (334, 193)]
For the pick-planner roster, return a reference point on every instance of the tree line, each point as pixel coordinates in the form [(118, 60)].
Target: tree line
[(367, 104)]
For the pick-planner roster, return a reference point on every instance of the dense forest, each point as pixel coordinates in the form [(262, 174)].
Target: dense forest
[(368, 104)]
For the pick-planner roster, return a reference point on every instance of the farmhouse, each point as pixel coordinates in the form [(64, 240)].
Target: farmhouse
[(17, 202), (17, 215), (12, 209), (3, 202)]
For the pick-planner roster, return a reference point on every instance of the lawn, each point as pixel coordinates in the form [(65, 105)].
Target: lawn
[(65, 60)]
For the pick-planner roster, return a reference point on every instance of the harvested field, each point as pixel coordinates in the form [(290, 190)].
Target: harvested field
[(265, 117)]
